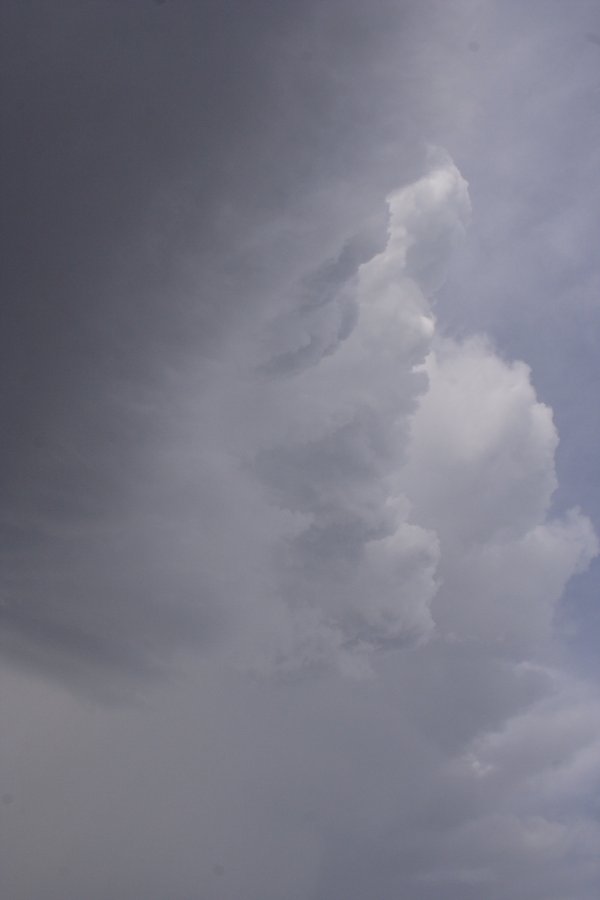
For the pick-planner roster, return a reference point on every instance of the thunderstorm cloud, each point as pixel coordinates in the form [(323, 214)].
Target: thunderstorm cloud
[(296, 579)]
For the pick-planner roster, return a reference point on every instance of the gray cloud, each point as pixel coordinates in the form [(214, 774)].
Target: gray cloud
[(282, 558), (195, 172)]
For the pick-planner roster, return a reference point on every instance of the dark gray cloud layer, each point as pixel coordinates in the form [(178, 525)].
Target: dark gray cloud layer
[(144, 144), (170, 169)]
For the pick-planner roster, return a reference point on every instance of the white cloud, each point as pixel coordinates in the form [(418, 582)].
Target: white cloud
[(480, 473), (419, 471)]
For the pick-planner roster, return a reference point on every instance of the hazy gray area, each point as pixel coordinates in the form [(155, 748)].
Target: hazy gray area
[(298, 586)]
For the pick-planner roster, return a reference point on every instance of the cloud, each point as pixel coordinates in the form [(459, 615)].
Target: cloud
[(388, 486), (481, 474), (338, 436), (285, 527), (282, 560)]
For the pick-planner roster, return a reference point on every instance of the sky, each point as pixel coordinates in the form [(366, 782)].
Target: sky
[(300, 555)]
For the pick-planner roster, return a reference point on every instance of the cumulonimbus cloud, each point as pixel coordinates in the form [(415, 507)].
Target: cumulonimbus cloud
[(308, 508), (420, 471), (344, 493)]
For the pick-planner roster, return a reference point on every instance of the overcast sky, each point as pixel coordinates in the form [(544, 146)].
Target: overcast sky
[(299, 560)]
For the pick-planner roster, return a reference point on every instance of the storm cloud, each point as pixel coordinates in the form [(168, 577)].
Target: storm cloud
[(285, 549)]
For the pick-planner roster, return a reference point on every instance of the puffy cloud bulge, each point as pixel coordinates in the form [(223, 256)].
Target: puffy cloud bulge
[(416, 472), (378, 698)]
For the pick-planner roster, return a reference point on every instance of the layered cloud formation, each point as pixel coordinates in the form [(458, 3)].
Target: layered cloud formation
[(348, 520)]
